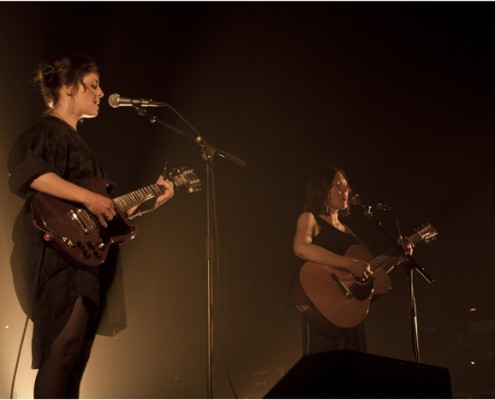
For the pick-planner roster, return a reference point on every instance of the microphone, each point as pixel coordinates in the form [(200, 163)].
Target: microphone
[(116, 101), (355, 200)]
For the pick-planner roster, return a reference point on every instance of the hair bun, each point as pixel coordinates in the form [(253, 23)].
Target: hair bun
[(68, 70), (48, 75)]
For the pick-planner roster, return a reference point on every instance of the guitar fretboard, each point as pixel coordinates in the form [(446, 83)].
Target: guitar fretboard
[(136, 198), (388, 259), (125, 202)]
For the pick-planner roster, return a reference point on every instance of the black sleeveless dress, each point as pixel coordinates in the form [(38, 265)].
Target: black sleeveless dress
[(320, 335)]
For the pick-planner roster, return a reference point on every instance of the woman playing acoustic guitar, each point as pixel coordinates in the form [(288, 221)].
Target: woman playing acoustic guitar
[(66, 304), (323, 240)]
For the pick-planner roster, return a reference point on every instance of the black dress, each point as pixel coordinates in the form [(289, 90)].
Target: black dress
[(45, 284), (320, 335)]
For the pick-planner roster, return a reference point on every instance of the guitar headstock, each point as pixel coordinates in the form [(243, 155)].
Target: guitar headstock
[(427, 233), (184, 177)]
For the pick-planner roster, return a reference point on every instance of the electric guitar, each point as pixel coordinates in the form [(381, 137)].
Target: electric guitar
[(344, 299), (76, 233)]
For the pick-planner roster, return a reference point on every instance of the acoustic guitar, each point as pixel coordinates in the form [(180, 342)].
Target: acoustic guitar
[(344, 299)]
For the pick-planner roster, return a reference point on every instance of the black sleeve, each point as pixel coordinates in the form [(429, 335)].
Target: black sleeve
[(34, 153)]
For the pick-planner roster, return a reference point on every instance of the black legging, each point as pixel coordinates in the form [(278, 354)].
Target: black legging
[(63, 365)]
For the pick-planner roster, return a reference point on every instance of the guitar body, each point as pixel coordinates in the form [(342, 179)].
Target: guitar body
[(74, 232), (338, 296)]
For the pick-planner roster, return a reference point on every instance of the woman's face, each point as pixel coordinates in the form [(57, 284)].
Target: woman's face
[(338, 194), (87, 98)]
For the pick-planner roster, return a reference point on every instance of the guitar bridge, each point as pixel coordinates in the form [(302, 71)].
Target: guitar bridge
[(347, 293)]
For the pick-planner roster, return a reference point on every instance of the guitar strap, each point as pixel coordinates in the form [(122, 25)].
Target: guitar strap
[(317, 217)]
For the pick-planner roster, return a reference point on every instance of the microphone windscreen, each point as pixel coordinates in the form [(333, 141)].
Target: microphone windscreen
[(114, 100)]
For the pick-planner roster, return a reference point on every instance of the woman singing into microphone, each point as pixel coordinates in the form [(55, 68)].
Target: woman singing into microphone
[(67, 304), (321, 237)]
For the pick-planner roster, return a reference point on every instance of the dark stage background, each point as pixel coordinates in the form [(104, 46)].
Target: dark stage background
[(398, 94)]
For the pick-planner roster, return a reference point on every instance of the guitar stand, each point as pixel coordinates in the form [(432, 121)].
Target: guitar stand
[(411, 265), (207, 154)]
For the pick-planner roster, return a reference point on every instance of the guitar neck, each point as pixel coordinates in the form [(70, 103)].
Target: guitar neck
[(137, 197), (389, 257), (182, 177)]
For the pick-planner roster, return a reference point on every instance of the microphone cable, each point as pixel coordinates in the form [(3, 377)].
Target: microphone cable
[(23, 336)]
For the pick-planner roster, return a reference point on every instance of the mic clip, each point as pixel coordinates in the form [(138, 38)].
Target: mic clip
[(355, 200)]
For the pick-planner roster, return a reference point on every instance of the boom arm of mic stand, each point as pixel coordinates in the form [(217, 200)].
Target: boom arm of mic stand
[(420, 269), (208, 149), (412, 262)]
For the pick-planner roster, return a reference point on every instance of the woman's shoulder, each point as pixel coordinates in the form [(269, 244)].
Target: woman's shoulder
[(306, 217), (47, 127), (53, 124)]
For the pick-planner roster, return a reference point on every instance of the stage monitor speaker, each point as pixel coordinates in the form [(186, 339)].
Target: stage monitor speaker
[(347, 374)]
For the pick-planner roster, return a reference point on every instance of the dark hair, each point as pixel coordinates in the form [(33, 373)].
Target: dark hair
[(61, 70), (317, 190)]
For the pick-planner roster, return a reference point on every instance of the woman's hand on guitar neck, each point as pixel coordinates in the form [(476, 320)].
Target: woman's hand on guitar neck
[(155, 202), (406, 245), (169, 191)]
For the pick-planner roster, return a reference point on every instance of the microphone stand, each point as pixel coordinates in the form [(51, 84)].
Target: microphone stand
[(208, 153), (411, 266)]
